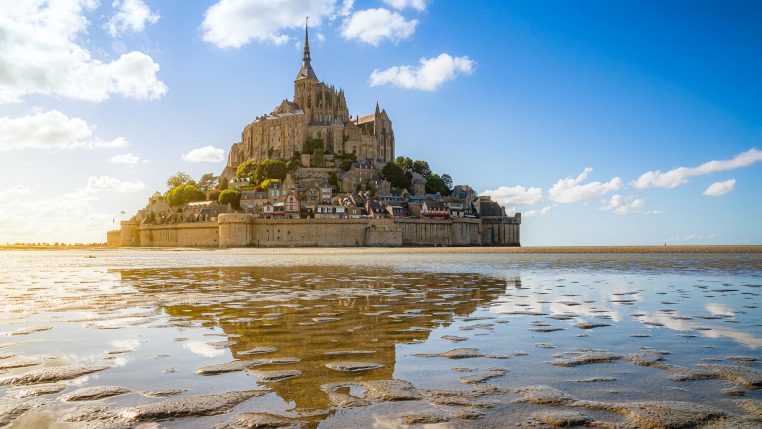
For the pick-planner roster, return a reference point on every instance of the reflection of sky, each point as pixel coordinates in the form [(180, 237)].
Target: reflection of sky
[(677, 302), (202, 349)]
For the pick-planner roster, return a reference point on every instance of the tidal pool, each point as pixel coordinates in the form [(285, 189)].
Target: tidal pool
[(335, 338)]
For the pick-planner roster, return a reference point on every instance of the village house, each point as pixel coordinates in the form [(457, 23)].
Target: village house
[(328, 211), (291, 206), (203, 211), (375, 209), (435, 209)]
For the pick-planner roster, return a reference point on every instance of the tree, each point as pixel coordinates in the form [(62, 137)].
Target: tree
[(246, 170), (346, 164), (318, 160), (178, 179), (404, 162), (447, 180), (213, 195), (207, 181), (232, 197), (270, 169), (395, 175), (224, 182), (156, 196), (435, 185), (333, 179), (184, 194), (292, 164), (422, 168)]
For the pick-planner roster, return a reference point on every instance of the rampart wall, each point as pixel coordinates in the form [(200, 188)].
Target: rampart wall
[(242, 230)]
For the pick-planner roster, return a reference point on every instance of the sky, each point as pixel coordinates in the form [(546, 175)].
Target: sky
[(603, 123)]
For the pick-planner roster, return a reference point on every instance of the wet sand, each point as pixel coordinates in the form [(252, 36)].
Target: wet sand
[(246, 338)]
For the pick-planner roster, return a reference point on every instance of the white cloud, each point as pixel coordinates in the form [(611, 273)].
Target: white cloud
[(346, 7), (371, 26), (110, 184), (678, 176), (428, 76), (67, 217), (126, 159), (131, 15), (538, 212), (620, 205), (204, 154), (51, 130), (419, 5), (234, 23), (720, 188), (571, 190), (510, 195), (39, 55)]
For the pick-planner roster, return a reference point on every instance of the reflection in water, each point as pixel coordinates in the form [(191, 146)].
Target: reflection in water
[(315, 314), (661, 334)]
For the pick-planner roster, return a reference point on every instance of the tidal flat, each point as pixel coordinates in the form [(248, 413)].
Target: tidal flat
[(386, 339)]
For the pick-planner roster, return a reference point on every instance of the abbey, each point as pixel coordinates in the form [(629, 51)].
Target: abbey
[(317, 112)]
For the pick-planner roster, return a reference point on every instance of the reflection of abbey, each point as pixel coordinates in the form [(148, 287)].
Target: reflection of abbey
[(318, 111)]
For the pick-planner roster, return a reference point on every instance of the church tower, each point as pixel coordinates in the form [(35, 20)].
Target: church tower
[(306, 80)]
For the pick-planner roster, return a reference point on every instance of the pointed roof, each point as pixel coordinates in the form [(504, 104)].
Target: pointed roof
[(306, 71)]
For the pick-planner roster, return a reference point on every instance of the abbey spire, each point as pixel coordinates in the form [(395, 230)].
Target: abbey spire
[(306, 71)]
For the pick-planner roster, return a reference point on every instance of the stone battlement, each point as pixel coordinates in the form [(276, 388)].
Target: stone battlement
[(243, 230)]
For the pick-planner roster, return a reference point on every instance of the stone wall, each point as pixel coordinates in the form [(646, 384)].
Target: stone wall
[(243, 230), (201, 234), (433, 232), (113, 238)]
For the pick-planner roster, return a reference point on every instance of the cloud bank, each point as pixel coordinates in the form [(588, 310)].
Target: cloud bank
[(429, 75), (39, 55)]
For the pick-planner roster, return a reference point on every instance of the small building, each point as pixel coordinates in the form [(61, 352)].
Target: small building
[(253, 201), (396, 211), (274, 211), (354, 212), (435, 209), (203, 211), (375, 209), (275, 192), (456, 207), (326, 193), (396, 200), (328, 211), (291, 205)]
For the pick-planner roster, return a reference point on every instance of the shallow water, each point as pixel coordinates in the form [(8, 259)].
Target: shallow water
[(161, 320)]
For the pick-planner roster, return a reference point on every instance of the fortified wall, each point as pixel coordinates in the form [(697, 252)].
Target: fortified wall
[(243, 230)]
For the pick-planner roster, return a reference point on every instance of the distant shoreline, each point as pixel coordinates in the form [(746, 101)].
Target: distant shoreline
[(708, 249)]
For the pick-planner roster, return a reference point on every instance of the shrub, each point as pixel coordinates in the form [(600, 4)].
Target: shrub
[(183, 194), (232, 197)]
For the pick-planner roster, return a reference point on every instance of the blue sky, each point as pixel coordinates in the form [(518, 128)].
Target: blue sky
[(558, 109)]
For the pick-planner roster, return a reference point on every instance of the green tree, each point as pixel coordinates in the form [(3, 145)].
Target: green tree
[(213, 194), (232, 197), (157, 196), (318, 160), (435, 184), (395, 175), (270, 169), (311, 144), (183, 194), (422, 168), (246, 170), (333, 179), (207, 182), (178, 179), (346, 164), (447, 180), (404, 162), (223, 183)]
